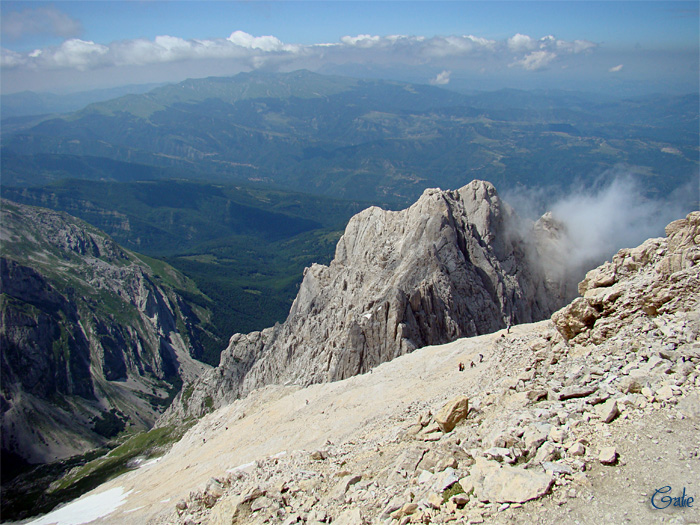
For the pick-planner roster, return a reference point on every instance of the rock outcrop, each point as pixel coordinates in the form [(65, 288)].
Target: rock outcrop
[(648, 280), (93, 341), (454, 264)]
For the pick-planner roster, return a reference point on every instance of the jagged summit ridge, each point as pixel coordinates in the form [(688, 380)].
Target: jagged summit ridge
[(452, 265)]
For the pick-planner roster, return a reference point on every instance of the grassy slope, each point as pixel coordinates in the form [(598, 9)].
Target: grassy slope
[(41, 489)]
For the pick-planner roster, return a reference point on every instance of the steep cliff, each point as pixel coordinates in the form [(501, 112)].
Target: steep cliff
[(454, 264), (94, 341)]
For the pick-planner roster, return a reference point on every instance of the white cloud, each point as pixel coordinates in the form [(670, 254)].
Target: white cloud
[(263, 43), (449, 46), (142, 52), (546, 41), (172, 43), (616, 69), (74, 53), (84, 55), (535, 61), (480, 41), (577, 46), (247, 51), (40, 21), (405, 38), (442, 78), (535, 55), (10, 60), (363, 40), (521, 43)]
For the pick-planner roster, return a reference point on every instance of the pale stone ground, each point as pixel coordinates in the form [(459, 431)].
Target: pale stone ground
[(366, 418), (278, 419)]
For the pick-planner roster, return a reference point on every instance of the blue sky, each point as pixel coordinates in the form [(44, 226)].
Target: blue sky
[(631, 45)]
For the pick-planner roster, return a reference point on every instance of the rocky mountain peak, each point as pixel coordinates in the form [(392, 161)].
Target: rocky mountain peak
[(451, 265), (436, 214)]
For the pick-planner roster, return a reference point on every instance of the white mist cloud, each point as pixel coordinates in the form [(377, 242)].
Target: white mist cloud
[(536, 60), (577, 46), (16, 25), (615, 69), (536, 55), (263, 43), (454, 46), (596, 221), (481, 42), (10, 59), (74, 53), (365, 41), (600, 222), (442, 78), (521, 43)]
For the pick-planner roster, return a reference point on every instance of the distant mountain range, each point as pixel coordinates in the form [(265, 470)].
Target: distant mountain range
[(28, 103), (359, 139)]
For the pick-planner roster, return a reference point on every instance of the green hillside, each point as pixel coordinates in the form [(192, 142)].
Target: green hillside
[(360, 139)]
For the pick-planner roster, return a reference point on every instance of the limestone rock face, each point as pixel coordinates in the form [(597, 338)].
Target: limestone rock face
[(578, 316), (454, 264), (89, 336), (653, 278)]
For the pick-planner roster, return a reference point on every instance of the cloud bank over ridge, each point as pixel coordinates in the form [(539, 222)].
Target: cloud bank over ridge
[(259, 51), (76, 46)]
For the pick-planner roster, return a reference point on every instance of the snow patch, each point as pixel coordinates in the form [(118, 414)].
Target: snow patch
[(86, 509)]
